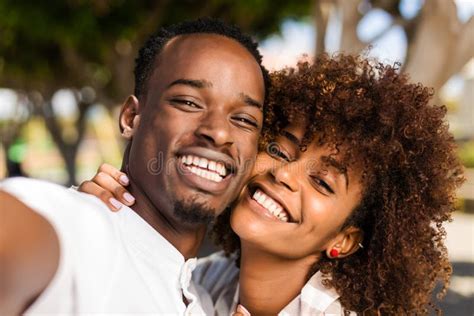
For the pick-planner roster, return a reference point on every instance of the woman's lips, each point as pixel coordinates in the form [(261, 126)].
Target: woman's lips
[(261, 203), (272, 206)]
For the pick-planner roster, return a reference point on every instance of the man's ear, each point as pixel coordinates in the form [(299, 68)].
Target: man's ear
[(347, 242), (129, 117)]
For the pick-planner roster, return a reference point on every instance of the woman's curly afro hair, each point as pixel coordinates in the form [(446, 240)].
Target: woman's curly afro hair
[(410, 172)]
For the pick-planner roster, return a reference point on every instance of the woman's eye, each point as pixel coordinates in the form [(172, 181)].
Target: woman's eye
[(283, 156), (320, 183), (275, 151)]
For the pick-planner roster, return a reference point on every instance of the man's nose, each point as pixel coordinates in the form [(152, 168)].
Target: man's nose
[(216, 129)]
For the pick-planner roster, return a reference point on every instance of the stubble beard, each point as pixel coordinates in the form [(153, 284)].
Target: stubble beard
[(193, 212)]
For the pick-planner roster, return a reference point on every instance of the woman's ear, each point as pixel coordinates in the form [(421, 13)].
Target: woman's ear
[(347, 242), (129, 118)]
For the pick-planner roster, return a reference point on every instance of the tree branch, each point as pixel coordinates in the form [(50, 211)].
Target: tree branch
[(440, 32), (321, 12), (351, 17)]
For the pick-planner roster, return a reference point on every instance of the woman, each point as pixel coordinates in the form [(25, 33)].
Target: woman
[(345, 208)]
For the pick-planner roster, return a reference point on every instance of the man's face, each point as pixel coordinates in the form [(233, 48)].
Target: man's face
[(200, 119)]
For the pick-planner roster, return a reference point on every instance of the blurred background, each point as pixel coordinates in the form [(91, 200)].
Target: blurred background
[(66, 66)]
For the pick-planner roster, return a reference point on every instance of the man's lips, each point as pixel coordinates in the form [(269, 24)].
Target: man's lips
[(211, 156), (205, 170)]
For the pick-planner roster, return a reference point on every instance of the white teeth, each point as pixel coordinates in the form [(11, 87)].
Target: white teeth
[(208, 169), (203, 163), (271, 205), (256, 195), (273, 209), (267, 204), (221, 169), (202, 167), (216, 177), (212, 165)]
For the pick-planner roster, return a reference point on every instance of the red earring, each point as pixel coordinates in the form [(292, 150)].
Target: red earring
[(334, 253)]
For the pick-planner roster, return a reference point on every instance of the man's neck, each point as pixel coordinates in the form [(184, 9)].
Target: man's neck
[(186, 239), (268, 283)]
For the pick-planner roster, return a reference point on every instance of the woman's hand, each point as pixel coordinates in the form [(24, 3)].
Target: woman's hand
[(109, 185), (241, 311)]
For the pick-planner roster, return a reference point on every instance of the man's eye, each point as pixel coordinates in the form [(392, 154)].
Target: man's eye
[(245, 121), (186, 103)]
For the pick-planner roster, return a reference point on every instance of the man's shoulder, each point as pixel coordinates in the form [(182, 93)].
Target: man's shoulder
[(31, 189), (57, 203)]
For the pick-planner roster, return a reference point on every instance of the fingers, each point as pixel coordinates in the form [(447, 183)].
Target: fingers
[(119, 176), (110, 184), (241, 311), (104, 195)]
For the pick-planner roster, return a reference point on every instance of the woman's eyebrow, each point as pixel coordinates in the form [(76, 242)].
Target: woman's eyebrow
[(292, 138)]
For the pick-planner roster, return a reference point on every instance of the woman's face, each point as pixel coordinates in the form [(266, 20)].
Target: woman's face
[(296, 202)]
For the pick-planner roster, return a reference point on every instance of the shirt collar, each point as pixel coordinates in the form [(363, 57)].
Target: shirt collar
[(313, 292)]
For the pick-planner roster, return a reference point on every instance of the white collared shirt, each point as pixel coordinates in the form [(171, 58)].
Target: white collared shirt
[(110, 263), (220, 277)]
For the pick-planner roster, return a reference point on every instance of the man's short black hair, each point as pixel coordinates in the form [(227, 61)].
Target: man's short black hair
[(145, 61)]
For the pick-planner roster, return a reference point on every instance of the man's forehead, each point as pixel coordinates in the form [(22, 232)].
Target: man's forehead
[(197, 56), (208, 61), (201, 43)]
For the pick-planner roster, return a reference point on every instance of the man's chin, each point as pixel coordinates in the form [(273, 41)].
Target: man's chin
[(192, 211)]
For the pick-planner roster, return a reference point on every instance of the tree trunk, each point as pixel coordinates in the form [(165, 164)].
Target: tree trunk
[(68, 150), (321, 11), (441, 44)]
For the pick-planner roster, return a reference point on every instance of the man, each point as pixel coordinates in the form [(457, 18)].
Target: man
[(193, 126)]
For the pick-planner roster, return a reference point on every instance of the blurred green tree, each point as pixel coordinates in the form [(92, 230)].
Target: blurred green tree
[(89, 46)]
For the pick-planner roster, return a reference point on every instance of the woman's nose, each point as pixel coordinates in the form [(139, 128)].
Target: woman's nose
[(286, 174)]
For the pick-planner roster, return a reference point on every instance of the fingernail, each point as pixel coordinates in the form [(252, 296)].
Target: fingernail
[(128, 197), (124, 179), (115, 203)]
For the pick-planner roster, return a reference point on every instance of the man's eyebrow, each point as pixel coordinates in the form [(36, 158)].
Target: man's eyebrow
[(199, 84), (330, 161), (250, 101), (292, 138)]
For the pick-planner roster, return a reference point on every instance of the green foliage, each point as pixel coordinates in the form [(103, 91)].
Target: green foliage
[(46, 45)]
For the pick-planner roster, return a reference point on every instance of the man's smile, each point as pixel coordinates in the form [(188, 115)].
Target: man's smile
[(209, 169), (206, 169)]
